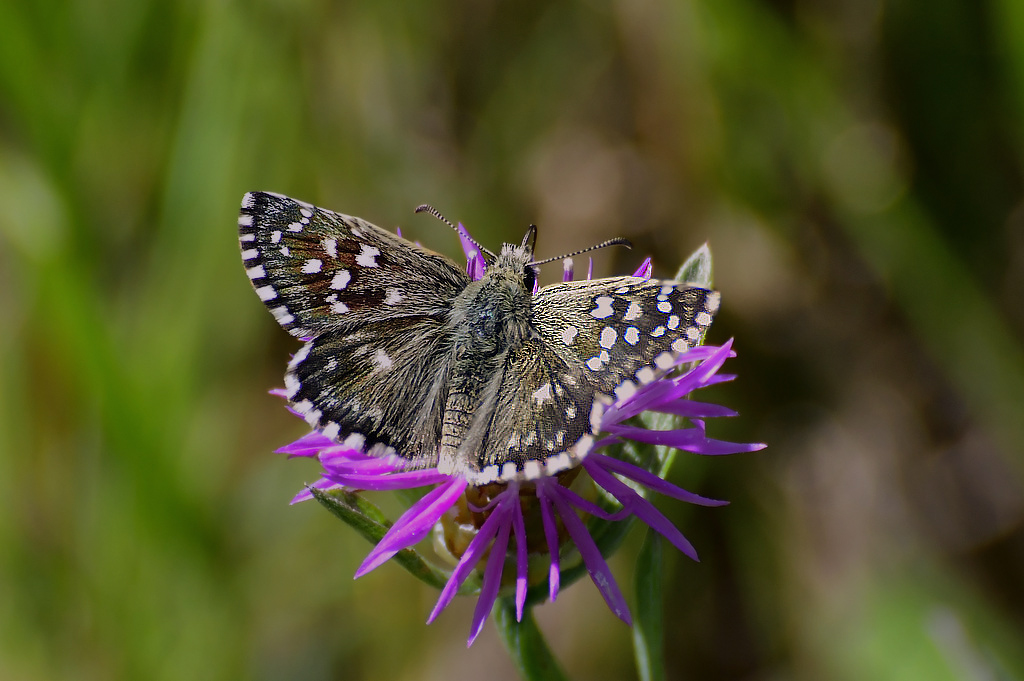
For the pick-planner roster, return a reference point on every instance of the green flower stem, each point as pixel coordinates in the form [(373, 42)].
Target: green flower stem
[(648, 623), (370, 521), (525, 643)]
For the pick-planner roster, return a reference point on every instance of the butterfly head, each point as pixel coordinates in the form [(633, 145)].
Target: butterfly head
[(516, 262)]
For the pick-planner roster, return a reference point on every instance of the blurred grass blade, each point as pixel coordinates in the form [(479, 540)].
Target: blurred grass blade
[(525, 643)]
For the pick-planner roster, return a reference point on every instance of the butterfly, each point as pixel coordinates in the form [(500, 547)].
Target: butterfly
[(406, 356)]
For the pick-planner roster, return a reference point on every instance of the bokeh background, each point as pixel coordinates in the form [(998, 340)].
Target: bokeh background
[(856, 166)]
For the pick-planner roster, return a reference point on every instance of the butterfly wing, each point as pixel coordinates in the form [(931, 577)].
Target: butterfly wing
[(316, 270), (598, 341), (380, 388)]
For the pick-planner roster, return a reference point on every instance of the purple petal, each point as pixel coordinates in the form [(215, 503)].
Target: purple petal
[(414, 524), (470, 558), (347, 465), (567, 269), (491, 583), (590, 507), (391, 481), (475, 263), (307, 445), (642, 509), (592, 558), (689, 439), (647, 479), (644, 270), (522, 559), (693, 409), (590, 269), (551, 534)]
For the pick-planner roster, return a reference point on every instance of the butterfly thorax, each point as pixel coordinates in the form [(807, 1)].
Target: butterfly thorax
[(489, 318), (493, 314)]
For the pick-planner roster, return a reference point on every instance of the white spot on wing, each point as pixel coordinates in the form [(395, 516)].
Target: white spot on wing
[(634, 311), (632, 335), (341, 280), (381, 360), (266, 293), (247, 237), (355, 441), (331, 247), (339, 308), (256, 272), (608, 337), (249, 200), (291, 385), (331, 431), (673, 323), (594, 363), (394, 297), (312, 266), (282, 315), (543, 393), (295, 227), (603, 307), (665, 306), (275, 236), (625, 390), (249, 254), (664, 360), (367, 256), (703, 318), (569, 334), (245, 221)]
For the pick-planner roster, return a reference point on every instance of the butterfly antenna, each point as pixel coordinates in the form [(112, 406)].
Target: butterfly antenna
[(619, 241), (465, 235)]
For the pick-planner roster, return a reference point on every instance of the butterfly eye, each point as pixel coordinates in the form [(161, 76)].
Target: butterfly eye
[(529, 277)]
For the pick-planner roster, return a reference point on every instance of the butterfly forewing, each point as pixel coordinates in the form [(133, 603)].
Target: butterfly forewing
[(317, 270), (623, 331)]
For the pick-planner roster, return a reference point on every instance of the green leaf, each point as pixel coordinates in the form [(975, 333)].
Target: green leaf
[(648, 622), (697, 268), (525, 643), (370, 521)]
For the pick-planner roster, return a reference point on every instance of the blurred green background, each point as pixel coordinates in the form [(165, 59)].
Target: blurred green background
[(856, 166)]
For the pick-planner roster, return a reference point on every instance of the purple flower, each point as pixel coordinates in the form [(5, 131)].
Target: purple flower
[(540, 515)]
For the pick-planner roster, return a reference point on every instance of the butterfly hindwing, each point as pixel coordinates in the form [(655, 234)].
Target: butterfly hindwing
[(380, 388), (317, 270), (545, 414)]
